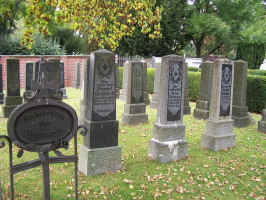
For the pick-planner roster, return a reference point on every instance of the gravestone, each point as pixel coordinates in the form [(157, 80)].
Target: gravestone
[(168, 141), (155, 95), (135, 108), (99, 152), (29, 69), (262, 123), (240, 113), (76, 82), (187, 109), (13, 98), (219, 128), (146, 93), (117, 82), (62, 80), (122, 96), (203, 102), (1, 85)]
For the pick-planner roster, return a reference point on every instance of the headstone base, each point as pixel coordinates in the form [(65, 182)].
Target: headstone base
[(241, 116), (262, 126), (168, 143), (202, 110), (218, 135), (2, 95), (99, 160), (10, 103), (134, 114), (154, 101)]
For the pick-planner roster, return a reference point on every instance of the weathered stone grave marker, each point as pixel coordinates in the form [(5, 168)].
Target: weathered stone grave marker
[(28, 81), (155, 95), (168, 141), (187, 109), (1, 85), (240, 113), (62, 80), (41, 125), (99, 152), (203, 103), (135, 108), (262, 123), (219, 128), (13, 97), (76, 82)]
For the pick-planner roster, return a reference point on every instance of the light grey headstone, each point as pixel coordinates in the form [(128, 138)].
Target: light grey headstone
[(135, 108), (168, 141), (155, 95), (122, 95), (13, 97), (99, 152), (203, 102), (219, 128), (240, 113), (262, 123)]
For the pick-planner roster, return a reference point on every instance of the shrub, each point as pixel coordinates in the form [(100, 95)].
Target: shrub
[(257, 72), (193, 69), (193, 85)]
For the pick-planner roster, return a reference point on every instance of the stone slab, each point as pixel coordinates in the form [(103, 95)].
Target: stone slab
[(134, 119), (100, 160), (218, 135), (262, 126)]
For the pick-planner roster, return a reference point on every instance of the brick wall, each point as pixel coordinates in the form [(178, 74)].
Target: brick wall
[(69, 66)]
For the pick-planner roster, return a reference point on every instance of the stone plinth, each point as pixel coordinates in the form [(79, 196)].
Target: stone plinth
[(219, 128), (240, 113), (262, 123), (13, 98), (168, 141), (99, 152), (203, 102), (135, 108)]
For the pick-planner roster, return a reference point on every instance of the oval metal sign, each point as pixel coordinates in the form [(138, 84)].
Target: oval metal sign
[(42, 125)]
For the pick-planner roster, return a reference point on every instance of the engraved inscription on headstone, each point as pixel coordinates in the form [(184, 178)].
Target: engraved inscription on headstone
[(174, 91), (137, 90), (104, 92), (226, 86)]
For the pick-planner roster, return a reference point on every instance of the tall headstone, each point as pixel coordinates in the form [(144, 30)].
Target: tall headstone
[(99, 152), (135, 108), (187, 109), (1, 85), (168, 141), (240, 113), (155, 95), (219, 128), (203, 103), (62, 80), (76, 82), (262, 123), (122, 96), (117, 82), (13, 97), (29, 69)]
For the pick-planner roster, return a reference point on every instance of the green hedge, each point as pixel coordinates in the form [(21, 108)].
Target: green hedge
[(256, 88), (257, 72), (193, 69)]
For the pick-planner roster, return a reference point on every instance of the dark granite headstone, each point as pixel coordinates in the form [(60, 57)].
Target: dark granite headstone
[(29, 70), (62, 80), (1, 85), (187, 109), (13, 97), (100, 151), (226, 87)]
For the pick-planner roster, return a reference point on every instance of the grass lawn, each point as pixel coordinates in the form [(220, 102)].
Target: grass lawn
[(239, 173)]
